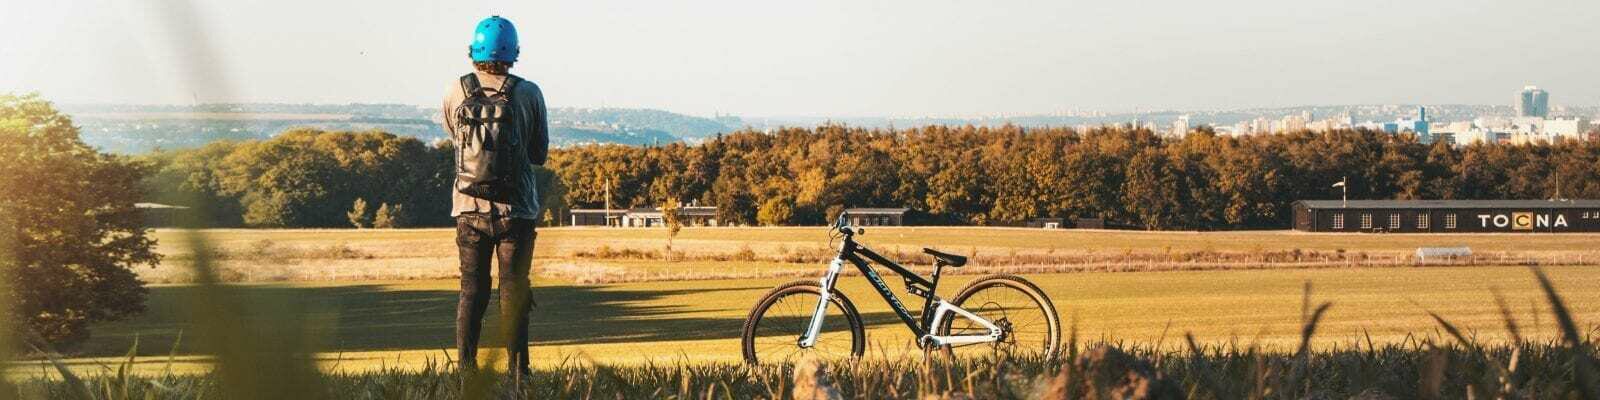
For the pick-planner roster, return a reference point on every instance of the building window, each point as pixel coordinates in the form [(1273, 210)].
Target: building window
[(1422, 221), (1366, 221), (1394, 221), (1449, 221), (1338, 221)]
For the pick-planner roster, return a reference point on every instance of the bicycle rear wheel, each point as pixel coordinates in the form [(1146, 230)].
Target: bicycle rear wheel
[(1028, 321), (773, 329)]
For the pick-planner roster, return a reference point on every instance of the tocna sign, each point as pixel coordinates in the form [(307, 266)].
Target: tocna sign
[(1522, 221)]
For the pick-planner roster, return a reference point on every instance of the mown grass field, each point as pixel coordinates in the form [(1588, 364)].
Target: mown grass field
[(369, 325), (373, 324)]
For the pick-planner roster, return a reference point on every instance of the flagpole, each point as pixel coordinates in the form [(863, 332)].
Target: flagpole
[(1344, 186)]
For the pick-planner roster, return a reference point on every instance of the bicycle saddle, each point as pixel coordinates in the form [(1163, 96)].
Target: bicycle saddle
[(949, 260)]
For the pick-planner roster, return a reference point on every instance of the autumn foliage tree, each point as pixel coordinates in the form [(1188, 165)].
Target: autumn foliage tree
[(72, 233), (961, 175), (1008, 175)]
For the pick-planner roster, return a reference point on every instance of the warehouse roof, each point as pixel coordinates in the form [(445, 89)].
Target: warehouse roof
[(1531, 204)]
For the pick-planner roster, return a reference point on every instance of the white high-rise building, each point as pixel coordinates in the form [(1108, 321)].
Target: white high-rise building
[(1180, 128)]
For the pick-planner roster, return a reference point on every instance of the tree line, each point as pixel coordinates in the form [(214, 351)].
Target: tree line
[(1009, 175), (949, 175)]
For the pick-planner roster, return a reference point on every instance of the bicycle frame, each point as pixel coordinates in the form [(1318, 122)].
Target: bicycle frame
[(933, 308)]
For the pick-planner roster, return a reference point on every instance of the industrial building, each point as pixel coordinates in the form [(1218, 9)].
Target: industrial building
[(1447, 216)]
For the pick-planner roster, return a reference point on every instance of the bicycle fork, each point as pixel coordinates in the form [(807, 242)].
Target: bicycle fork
[(813, 329)]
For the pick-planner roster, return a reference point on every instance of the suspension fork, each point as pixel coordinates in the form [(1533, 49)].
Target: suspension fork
[(813, 329)]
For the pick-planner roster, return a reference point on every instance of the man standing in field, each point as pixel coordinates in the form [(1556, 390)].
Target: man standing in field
[(499, 128)]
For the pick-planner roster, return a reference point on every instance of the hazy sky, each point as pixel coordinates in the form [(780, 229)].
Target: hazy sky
[(823, 57)]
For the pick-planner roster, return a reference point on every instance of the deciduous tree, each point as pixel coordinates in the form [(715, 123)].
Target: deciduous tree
[(72, 232)]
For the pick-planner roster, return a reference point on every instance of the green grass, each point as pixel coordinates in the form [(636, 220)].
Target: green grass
[(366, 326), (1415, 370)]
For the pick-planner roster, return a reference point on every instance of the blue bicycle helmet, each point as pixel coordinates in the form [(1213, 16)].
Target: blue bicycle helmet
[(494, 40)]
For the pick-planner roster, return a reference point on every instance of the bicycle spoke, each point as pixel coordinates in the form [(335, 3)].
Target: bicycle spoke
[(778, 329), (1022, 318)]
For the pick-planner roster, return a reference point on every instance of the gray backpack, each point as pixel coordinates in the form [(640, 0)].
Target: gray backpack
[(485, 144)]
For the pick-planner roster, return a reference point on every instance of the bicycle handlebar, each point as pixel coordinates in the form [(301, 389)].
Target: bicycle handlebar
[(842, 226)]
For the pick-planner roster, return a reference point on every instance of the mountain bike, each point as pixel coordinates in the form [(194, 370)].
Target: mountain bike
[(993, 313)]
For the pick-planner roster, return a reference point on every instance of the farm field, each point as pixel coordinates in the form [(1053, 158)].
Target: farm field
[(367, 325)]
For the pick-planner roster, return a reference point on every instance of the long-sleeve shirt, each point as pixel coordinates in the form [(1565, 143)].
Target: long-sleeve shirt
[(532, 129)]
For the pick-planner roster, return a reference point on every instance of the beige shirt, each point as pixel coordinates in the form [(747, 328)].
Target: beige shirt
[(533, 130)]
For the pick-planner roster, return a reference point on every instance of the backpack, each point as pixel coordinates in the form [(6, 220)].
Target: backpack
[(485, 143)]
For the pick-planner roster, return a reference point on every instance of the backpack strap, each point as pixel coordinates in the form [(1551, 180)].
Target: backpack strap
[(508, 85), (470, 86)]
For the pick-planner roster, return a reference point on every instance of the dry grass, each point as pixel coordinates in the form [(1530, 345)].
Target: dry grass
[(1448, 364), (602, 255), (403, 323)]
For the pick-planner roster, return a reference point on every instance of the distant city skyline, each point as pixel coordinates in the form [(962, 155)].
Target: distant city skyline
[(827, 58)]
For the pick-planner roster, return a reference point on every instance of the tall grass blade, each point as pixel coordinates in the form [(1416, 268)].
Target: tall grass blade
[(125, 371), (1208, 378), (1583, 372), (1503, 373), (76, 387), (6, 389), (1433, 374), (172, 355), (1452, 330), (6, 328), (1308, 329), (1305, 303), (1505, 314), (261, 348)]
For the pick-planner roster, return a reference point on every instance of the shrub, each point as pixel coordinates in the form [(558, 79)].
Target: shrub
[(389, 217), (358, 214)]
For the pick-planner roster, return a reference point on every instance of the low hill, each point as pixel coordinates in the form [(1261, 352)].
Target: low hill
[(132, 129)]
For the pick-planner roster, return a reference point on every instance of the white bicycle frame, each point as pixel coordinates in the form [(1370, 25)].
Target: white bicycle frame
[(959, 340), (809, 339)]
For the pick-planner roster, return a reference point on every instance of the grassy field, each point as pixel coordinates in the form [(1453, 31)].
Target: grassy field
[(381, 299), (724, 253), (372, 325)]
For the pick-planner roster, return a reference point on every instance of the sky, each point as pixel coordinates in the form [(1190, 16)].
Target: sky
[(815, 57)]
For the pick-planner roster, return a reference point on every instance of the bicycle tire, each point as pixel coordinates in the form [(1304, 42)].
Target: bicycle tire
[(839, 302), (1051, 344)]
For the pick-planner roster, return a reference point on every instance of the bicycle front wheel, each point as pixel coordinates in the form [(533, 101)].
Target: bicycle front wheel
[(772, 332), (1028, 322)]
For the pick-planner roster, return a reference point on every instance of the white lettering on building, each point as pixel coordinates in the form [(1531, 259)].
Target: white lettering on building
[(1540, 220)]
